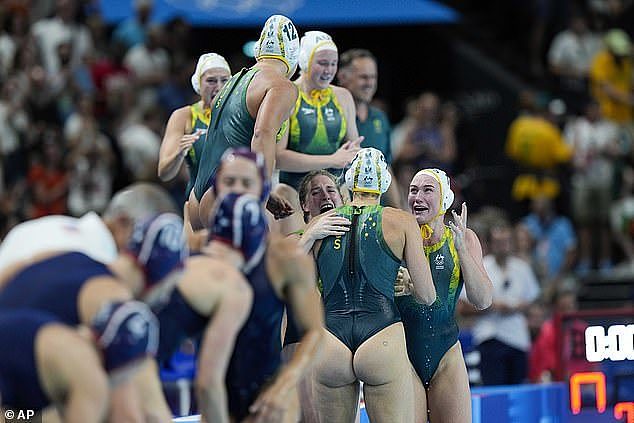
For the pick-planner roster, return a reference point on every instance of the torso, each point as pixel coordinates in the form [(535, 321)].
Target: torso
[(317, 126)]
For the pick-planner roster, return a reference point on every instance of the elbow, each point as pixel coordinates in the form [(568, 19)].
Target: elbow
[(427, 298), (484, 303), (162, 172)]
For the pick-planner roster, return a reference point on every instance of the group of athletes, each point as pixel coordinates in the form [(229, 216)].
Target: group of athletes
[(299, 294)]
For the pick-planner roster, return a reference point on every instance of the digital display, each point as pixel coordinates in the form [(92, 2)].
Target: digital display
[(596, 350)]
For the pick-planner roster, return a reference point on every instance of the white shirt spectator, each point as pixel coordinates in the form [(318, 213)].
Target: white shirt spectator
[(49, 33), (88, 235), (7, 54), (514, 284), (140, 147), (591, 142), (144, 63), (571, 51)]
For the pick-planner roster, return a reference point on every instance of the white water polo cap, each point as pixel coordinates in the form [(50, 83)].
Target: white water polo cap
[(311, 43), (368, 172), (446, 194), (279, 40), (205, 62)]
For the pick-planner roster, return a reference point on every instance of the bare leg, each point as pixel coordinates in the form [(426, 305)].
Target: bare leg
[(421, 409), (304, 401), (205, 209), (193, 212), (153, 401), (382, 364), (449, 394), (336, 386)]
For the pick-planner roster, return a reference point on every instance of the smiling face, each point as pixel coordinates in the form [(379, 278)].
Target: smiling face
[(361, 79), (321, 197), (239, 175), (212, 81), (323, 68), (423, 198)]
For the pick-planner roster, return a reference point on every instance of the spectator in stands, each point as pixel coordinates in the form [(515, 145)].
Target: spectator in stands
[(594, 144), (149, 64), (48, 178), (569, 58), (622, 216), (554, 239), (358, 73), (544, 357), (140, 143), (535, 143), (132, 31), (611, 77), (431, 141), (64, 25), (501, 332)]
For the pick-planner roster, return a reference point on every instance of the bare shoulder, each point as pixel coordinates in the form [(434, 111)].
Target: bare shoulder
[(343, 94), (398, 216), (181, 114), (283, 248)]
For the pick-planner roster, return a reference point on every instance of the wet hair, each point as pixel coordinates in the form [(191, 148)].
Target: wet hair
[(304, 186), (349, 56)]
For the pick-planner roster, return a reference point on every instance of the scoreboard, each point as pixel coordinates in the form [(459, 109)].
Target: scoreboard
[(596, 358)]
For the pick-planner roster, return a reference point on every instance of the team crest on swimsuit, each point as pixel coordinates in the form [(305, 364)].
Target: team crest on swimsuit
[(439, 261), (330, 114)]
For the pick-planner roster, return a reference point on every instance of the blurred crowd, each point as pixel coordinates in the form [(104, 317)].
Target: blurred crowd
[(83, 109)]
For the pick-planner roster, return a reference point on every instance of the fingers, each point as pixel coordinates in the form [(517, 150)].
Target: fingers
[(464, 214)]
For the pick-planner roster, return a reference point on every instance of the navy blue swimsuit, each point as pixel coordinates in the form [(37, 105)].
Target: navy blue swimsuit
[(52, 285), (19, 381), (256, 355)]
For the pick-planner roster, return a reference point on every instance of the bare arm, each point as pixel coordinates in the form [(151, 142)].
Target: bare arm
[(217, 346), (296, 277), (176, 143), (327, 224), (417, 263), (273, 111), (478, 286), (349, 110)]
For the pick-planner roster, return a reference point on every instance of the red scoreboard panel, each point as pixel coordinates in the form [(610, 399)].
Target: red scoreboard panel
[(596, 353)]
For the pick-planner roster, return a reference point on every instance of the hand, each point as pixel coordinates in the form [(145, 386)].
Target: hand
[(346, 153), (403, 283), (279, 206), (188, 140), (459, 227), (327, 224), (272, 404)]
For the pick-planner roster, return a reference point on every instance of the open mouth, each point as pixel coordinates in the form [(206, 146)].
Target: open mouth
[(420, 209), (326, 207)]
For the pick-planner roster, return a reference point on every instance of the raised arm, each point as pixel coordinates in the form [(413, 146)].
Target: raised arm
[(478, 286), (176, 143), (275, 108), (417, 263), (293, 275)]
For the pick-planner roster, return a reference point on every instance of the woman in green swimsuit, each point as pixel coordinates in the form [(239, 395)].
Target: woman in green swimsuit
[(441, 384), (322, 131)]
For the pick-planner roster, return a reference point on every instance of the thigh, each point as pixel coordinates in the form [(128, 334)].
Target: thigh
[(336, 390), (205, 209), (381, 363), (448, 394), (421, 409), (193, 212)]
